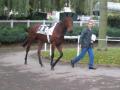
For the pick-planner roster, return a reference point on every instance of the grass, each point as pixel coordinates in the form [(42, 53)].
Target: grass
[(109, 57)]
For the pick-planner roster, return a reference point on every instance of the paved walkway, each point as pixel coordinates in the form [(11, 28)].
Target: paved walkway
[(14, 75)]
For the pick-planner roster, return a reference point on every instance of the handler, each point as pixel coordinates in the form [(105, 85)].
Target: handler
[(86, 43)]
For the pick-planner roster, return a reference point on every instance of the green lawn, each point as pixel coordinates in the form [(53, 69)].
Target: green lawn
[(109, 57)]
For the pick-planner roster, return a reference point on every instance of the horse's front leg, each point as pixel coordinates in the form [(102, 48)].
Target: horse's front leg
[(39, 53), (52, 54), (27, 50), (59, 48)]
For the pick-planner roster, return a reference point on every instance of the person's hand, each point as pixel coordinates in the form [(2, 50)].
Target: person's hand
[(91, 41)]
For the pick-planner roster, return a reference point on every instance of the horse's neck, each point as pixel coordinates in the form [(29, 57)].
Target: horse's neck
[(62, 27)]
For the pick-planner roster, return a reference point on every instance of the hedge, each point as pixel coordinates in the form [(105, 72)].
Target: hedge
[(112, 32), (114, 21), (12, 35), (18, 33)]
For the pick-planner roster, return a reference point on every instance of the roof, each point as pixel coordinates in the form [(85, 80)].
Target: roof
[(110, 5)]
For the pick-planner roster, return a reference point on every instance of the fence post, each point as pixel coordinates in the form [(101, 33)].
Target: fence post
[(50, 49), (28, 23), (43, 22), (45, 48), (81, 23), (106, 40), (11, 23), (78, 46)]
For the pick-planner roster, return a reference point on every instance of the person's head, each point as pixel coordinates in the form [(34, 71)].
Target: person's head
[(90, 24)]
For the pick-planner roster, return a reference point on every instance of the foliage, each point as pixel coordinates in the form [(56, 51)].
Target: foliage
[(109, 57), (18, 33), (1, 7), (64, 14), (12, 35), (38, 16), (113, 32), (25, 7), (114, 21)]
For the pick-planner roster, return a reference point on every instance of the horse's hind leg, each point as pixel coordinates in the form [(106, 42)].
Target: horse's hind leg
[(61, 54), (25, 42), (52, 54), (27, 50), (39, 53)]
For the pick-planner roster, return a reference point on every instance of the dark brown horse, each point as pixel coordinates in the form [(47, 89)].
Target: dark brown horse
[(56, 39)]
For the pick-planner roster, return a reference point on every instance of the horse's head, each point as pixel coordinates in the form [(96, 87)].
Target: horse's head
[(68, 22)]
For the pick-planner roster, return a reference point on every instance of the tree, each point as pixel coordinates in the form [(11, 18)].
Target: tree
[(83, 6), (78, 5), (1, 7), (102, 45), (27, 7)]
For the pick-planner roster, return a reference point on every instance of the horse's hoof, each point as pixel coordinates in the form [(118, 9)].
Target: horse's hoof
[(42, 66), (51, 64), (52, 68), (25, 63)]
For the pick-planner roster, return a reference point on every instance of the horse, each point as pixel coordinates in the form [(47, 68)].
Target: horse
[(56, 39)]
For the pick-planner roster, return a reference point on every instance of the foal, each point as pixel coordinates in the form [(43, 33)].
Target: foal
[(56, 39)]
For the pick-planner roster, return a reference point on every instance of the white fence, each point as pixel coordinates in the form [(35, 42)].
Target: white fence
[(113, 39), (28, 22)]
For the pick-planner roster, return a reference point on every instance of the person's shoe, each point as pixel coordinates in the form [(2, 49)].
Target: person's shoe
[(92, 68), (72, 64)]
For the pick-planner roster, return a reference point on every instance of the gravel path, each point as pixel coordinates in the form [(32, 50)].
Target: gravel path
[(14, 75)]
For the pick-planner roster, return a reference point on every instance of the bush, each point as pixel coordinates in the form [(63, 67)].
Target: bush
[(32, 16), (114, 21), (64, 14), (113, 32), (39, 16), (77, 30), (3, 17), (18, 33), (12, 35)]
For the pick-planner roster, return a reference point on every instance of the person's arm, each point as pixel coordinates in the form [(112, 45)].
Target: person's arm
[(82, 36)]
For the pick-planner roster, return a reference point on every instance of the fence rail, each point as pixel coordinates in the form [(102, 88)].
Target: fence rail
[(78, 38), (28, 22), (113, 39)]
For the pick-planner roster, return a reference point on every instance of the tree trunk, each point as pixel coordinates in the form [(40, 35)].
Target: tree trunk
[(9, 4), (91, 7), (102, 45), (27, 8), (1, 7)]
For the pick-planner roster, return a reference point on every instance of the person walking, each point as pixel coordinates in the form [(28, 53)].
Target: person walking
[(86, 46)]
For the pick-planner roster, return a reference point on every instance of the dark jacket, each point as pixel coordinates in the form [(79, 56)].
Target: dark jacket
[(85, 38)]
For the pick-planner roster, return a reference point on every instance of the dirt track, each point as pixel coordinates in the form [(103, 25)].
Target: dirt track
[(14, 75)]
